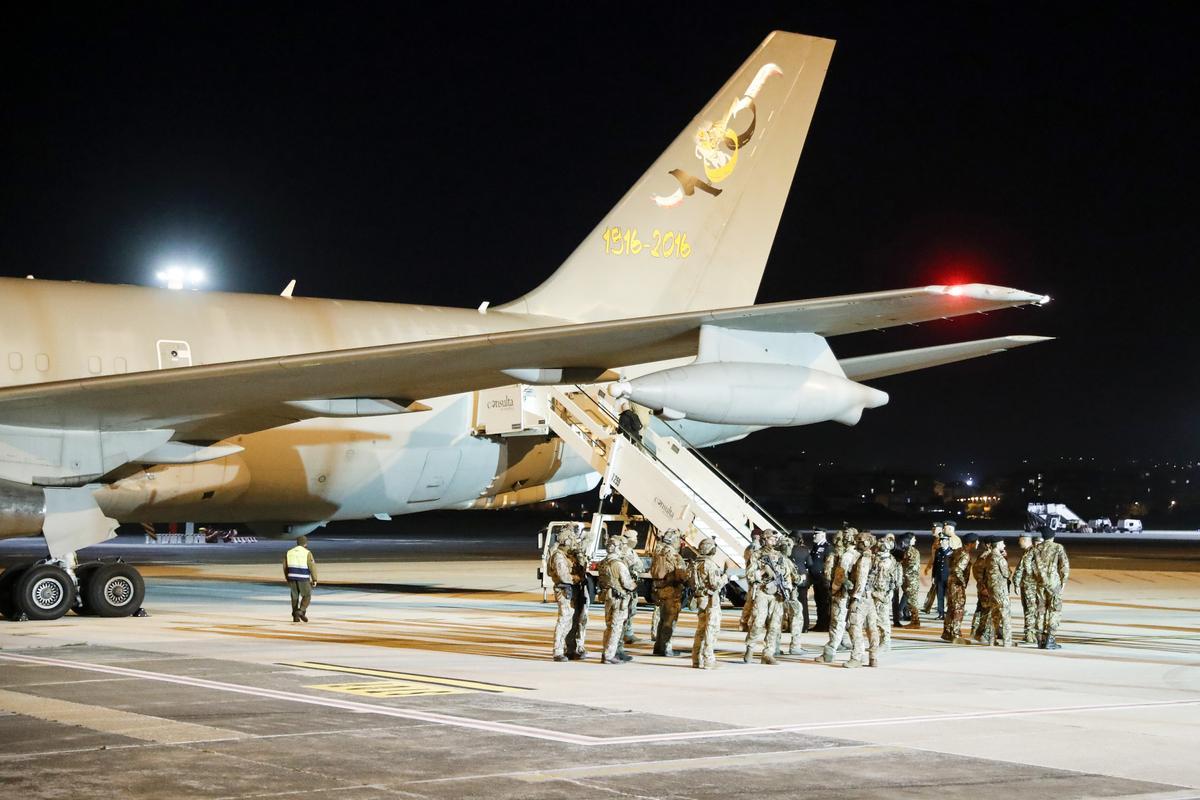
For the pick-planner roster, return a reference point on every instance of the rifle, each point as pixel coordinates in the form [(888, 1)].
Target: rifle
[(778, 582)]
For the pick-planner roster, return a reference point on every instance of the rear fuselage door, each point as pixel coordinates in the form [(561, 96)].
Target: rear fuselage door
[(440, 466), (173, 353)]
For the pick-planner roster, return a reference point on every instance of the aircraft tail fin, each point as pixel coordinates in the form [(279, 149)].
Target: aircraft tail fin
[(695, 231)]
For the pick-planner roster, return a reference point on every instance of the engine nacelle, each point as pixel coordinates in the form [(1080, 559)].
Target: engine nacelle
[(752, 394), (22, 509)]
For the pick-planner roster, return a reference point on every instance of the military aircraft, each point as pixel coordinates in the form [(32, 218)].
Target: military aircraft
[(137, 404)]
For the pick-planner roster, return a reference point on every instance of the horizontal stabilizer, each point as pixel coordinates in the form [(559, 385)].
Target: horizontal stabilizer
[(881, 365)]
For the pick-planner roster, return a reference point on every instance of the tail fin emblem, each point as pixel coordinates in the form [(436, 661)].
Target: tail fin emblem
[(718, 145)]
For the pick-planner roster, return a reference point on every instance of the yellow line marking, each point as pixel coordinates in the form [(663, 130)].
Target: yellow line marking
[(477, 686), (390, 689)]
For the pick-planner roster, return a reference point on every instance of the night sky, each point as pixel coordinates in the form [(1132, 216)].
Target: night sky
[(385, 153)]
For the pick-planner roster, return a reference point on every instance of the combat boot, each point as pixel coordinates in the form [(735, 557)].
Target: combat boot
[(560, 657), (795, 649), (1041, 643), (1051, 644), (916, 623), (577, 656), (853, 663), (748, 656), (295, 616), (826, 657), (872, 661), (611, 661), (769, 659), (303, 617)]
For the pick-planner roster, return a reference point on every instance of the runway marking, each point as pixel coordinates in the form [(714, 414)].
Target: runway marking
[(576, 738), (111, 721), (387, 689), (1131, 605), (476, 686)]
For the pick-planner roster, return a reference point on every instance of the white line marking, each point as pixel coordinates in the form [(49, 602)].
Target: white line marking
[(575, 738)]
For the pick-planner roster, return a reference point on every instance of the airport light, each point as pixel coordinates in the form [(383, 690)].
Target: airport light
[(178, 276)]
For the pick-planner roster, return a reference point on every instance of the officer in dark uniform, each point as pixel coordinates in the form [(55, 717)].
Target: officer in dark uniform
[(818, 552), (941, 571), (802, 558)]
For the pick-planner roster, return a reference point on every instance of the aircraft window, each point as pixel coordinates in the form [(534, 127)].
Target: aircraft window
[(94, 365), (15, 362), (42, 362), (120, 364)]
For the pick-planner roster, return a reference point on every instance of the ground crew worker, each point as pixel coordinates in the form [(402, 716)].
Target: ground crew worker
[(669, 572), (567, 569), (841, 589), (630, 423), (889, 575), (616, 586), (910, 563), (1052, 568), (941, 573), (770, 594), (933, 549), (981, 620), (793, 613), (864, 624), (956, 587), (300, 572), (1025, 583), (707, 577), (818, 556), (998, 588), (634, 561)]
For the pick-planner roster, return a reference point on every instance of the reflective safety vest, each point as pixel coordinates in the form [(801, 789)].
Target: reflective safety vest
[(297, 564)]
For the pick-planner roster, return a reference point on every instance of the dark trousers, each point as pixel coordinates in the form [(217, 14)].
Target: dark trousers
[(823, 596), (804, 605), (940, 585), (898, 606)]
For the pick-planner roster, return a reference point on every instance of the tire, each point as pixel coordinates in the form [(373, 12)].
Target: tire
[(83, 574), (45, 592), (8, 590), (114, 590)]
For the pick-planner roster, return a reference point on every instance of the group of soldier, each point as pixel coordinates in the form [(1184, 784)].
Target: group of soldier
[(863, 585)]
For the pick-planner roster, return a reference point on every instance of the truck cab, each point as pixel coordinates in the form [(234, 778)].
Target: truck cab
[(594, 534)]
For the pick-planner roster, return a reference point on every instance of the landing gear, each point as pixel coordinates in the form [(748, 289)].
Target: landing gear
[(45, 590)]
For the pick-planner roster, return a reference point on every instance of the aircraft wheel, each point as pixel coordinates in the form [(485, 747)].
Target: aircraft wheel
[(45, 591), (8, 590), (114, 590)]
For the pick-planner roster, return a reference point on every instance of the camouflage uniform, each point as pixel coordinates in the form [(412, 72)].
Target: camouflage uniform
[(981, 621), (841, 588), (707, 577), (616, 586), (634, 561), (956, 593), (997, 583), (1025, 582), (864, 624), (889, 577), (911, 566), (1051, 570), (770, 594), (566, 568), (669, 572), (748, 556), (793, 614)]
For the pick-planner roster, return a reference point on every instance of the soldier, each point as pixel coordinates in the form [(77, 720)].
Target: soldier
[(1026, 585), (956, 594), (566, 568), (818, 557), (864, 625), (998, 585), (981, 620), (933, 549), (770, 595), (748, 556), (841, 588), (910, 563), (634, 561), (793, 612), (669, 571), (1051, 570), (889, 575), (616, 586), (707, 577)]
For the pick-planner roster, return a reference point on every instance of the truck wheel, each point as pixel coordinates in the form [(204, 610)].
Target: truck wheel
[(8, 590), (45, 591), (114, 590)]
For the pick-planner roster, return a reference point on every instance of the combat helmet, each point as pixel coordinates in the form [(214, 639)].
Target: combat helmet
[(706, 547)]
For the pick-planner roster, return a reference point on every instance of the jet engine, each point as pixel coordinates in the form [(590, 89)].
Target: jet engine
[(736, 393), (22, 509)]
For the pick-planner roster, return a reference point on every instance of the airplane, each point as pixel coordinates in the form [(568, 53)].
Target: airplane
[(124, 404)]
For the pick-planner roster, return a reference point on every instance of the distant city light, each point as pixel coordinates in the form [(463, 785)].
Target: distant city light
[(180, 276), (970, 481)]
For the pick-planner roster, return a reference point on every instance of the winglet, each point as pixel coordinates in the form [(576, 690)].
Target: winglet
[(287, 290)]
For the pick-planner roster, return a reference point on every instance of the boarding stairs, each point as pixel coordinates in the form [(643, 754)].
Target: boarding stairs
[(667, 480)]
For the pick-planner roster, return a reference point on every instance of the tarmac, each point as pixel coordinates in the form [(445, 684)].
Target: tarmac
[(425, 673)]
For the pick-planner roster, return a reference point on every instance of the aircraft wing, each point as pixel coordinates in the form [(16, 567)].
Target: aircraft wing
[(213, 401), (865, 368)]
